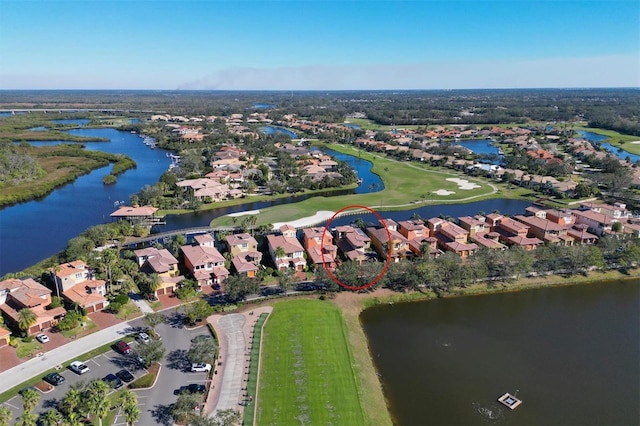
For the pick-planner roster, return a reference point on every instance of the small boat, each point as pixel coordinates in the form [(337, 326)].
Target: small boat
[(359, 181)]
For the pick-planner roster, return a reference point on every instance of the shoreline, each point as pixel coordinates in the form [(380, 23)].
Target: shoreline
[(353, 304)]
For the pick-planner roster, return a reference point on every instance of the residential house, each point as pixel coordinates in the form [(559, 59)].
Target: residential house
[(245, 255), (319, 246), (17, 294), (292, 251), (388, 236), (76, 282), (451, 237), (597, 223), (580, 233), (514, 233), (145, 215), (352, 242), (5, 336), (546, 230), (205, 262), (164, 264)]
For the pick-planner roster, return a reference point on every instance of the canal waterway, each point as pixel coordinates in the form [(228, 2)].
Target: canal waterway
[(599, 139), (569, 353), (270, 130)]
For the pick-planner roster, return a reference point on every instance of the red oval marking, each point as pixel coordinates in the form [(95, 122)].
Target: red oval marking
[(386, 265)]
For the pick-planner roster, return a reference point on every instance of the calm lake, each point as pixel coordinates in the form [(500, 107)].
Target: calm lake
[(620, 153), (571, 354)]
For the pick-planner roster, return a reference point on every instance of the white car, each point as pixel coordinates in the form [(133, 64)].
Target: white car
[(42, 338), (143, 338), (78, 367), (199, 368)]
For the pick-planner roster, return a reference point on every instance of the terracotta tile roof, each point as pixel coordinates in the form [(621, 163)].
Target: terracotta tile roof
[(242, 264), (27, 292), (126, 211), (4, 332), (71, 268), (289, 244), (238, 239), (200, 255), (79, 294)]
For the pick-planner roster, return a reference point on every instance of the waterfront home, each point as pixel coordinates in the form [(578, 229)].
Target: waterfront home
[(205, 262), (597, 223), (579, 232), (451, 237), (412, 229), (241, 243), (546, 230), (490, 240), (145, 215), (76, 282), (616, 211), (17, 294), (399, 244), (318, 247), (285, 249), (352, 242), (247, 263), (164, 264), (512, 232)]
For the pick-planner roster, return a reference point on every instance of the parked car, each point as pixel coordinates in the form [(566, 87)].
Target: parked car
[(78, 367), (199, 368), (125, 375), (143, 338), (123, 347), (113, 381), (193, 388), (54, 378), (42, 338)]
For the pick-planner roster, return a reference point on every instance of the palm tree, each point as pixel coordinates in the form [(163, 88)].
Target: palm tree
[(129, 403), (30, 399), (5, 416), (96, 399), (26, 318), (52, 417), (279, 253), (71, 401)]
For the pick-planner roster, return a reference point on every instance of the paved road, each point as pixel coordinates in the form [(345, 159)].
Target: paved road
[(37, 366), (231, 387)]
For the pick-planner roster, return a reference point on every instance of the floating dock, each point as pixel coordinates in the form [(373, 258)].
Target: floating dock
[(510, 401)]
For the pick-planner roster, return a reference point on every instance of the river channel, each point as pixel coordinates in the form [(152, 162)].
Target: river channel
[(569, 353)]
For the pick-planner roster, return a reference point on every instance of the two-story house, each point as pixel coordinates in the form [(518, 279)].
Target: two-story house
[(399, 244), (76, 282), (245, 255), (205, 262), (17, 294), (285, 249), (451, 237), (546, 230), (161, 262), (352, 242), (321, 251)]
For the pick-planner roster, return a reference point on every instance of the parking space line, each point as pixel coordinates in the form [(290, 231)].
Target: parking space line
[(12, 406), (96, 362)]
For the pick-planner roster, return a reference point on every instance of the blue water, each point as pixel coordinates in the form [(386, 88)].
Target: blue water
[(38, 129), (595, 137), (270, 130), (32, 231), (480, 146), (352, 126), (76, 121), (263, 106), (371, 182)]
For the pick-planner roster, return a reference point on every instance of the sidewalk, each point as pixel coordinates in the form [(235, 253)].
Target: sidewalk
[(234, 332), (36, 366)]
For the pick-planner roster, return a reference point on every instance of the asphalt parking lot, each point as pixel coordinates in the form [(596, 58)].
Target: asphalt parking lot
[(99, 367), (155, 403)]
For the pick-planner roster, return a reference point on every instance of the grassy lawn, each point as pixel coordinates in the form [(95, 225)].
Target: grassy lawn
[(249, 410), (26, 348), (307, 374), (407, 185), (80, 331), (128, 311)]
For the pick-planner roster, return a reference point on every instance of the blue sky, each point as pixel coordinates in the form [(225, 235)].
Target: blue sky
[(318, 45)]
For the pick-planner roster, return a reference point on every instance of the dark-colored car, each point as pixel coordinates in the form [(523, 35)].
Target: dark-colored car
[(193, 388), (113, 381), (125, 375), (123, 347), (54, 378)]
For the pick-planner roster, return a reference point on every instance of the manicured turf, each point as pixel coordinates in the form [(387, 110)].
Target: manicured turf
[(306, 374), (616, 139)]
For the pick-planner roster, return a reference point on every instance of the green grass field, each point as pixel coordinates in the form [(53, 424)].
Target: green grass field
[(307, 374), (616, 139)]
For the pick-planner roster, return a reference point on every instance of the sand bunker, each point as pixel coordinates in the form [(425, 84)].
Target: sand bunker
[(321, 216), (463, 183), (443, 192), (244, 213), (635, 142)]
